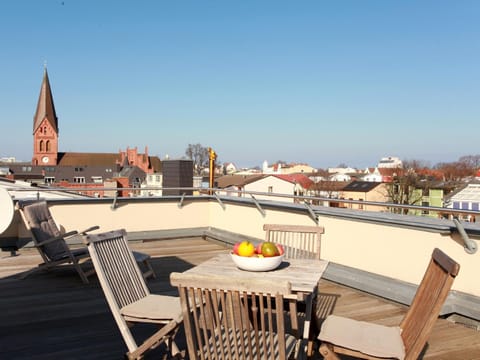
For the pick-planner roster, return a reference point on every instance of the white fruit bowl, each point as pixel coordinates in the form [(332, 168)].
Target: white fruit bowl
[(255, 263)]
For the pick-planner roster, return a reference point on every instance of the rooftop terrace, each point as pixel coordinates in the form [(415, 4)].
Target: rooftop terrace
[(375, 261)]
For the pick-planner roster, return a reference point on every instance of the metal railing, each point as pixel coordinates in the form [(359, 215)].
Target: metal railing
[(216, 192)]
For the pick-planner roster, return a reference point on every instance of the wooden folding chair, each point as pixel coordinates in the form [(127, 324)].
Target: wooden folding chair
[(127, 294), (224, 319), (299, 241), (372, 341)]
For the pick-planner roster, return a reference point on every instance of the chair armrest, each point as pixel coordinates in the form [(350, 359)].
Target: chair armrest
[(91, 228), (56, 238)]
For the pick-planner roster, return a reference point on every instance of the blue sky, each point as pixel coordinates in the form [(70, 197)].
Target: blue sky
[(320, 82)]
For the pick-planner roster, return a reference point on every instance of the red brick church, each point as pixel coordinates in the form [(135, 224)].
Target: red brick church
[(45, 142), (125, 169)]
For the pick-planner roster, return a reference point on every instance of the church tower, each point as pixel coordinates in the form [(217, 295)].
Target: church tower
[(45, 127)]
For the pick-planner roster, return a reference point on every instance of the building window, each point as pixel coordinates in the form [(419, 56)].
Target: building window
[(456, 205), (48, 146), (49, 179), (270, 189), (41, 146), (474, 206), (97, 179), (79, 180), (425, 204), (78, 169), (464, 205)]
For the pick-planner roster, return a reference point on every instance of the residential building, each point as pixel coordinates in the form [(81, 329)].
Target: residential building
[(364, 191), (466, 198), (288, 184), (391, 162)]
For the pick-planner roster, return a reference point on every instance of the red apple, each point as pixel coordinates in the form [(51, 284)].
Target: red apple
[(258, 248), (235, 248), (280, 248)]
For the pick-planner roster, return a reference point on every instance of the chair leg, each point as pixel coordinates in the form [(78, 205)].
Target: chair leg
[(327, 352), (80, 271), (150, 272)]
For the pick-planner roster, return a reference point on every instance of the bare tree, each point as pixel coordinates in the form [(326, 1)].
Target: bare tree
[(471, 161), (455, 171), (415, 164), (199, 155), (402, 190)]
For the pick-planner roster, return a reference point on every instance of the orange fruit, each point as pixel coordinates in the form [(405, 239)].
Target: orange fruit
[(269, 249), (246, 248)]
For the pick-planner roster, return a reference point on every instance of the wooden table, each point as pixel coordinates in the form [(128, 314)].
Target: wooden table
[(303, 275)]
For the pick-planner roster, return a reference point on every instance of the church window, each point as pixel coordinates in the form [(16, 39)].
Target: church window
[(41, 145), (48, 146)]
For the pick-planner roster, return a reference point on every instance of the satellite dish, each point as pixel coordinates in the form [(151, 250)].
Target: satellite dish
[(7, 210)]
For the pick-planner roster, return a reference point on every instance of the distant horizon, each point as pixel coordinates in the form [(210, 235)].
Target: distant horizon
[(270, 163), (321, 83)]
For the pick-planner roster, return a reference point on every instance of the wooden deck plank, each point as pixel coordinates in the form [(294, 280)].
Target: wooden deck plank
[(55, 315)]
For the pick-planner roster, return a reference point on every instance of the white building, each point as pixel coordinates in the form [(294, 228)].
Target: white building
[(390, 162), (467, 198), (151, 182), (372, 176)]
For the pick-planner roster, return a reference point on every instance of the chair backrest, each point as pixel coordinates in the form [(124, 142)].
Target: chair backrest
[(299, 241), (229, 320), (427, 303), (42, 226), (118, 272)]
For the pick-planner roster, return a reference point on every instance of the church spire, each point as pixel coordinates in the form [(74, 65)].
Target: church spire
[(45, 127), (45, 106)]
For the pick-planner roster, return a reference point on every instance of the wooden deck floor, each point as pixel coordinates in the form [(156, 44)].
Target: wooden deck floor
[(55, 316)]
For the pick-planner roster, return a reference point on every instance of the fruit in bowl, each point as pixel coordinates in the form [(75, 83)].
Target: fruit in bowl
[(263, 257)]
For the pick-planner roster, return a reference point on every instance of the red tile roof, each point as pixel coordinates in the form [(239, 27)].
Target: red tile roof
[(301, 179)]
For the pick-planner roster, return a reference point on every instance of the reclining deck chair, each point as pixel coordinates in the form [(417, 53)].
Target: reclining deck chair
[(52, 245), (50, 242), (406, 341), (127, 295), (231, 320)]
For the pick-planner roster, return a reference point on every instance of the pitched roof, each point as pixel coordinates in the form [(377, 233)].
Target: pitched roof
[(328, 185), (101, 159), (301, 179), (236, 180), (87, 159), (45, 106), (361, 186)]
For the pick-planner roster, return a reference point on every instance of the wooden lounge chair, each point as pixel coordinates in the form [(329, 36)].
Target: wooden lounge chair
[(51, 242), (406, 341), (52, 245), (224, 319), (128, 297), (299, 241)]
